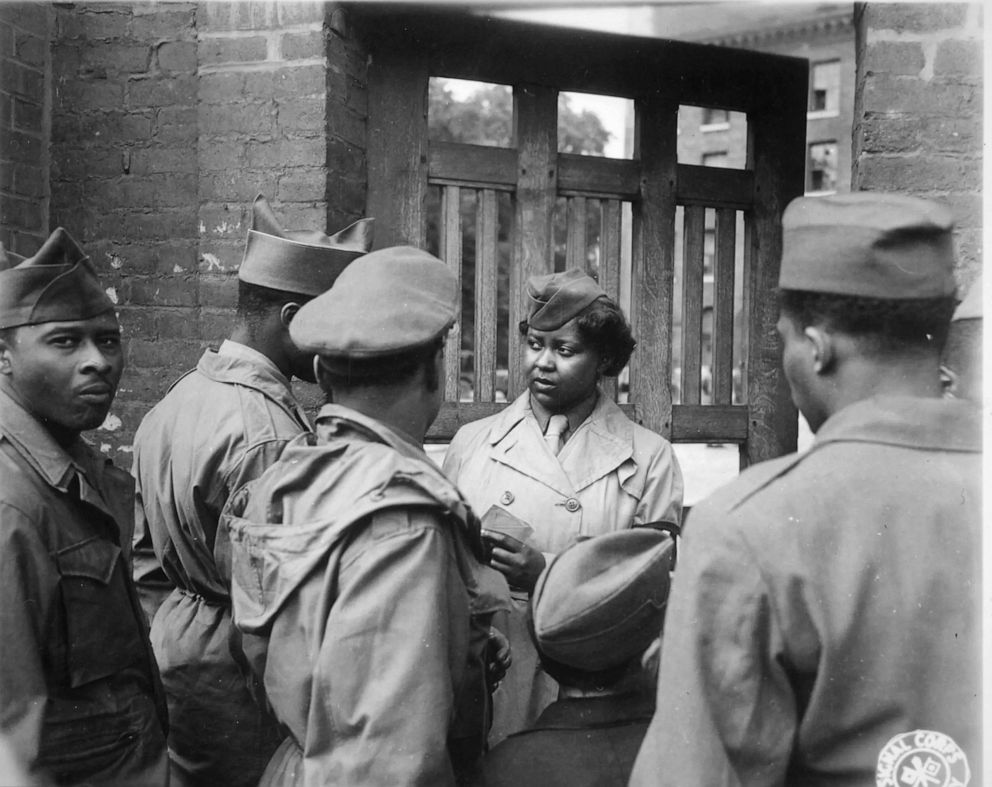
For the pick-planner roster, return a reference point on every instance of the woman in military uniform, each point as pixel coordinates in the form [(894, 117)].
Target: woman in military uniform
[(560, 463)]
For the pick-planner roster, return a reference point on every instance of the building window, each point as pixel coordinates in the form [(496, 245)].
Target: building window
[(822, 167), (715, 119), (716, 158), (824, 88)]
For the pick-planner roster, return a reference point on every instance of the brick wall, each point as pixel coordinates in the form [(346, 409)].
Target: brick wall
[(918, 110), (167, 119), (25, 79)]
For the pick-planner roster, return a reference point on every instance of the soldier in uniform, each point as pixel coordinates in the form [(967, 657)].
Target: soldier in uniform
[(80, 697), (597, 610), (824, 622), (218, 427), (354, 561)]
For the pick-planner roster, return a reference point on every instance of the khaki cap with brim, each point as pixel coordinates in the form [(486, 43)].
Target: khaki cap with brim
[(555, 298), (304, 262), (601, 602), (868, 244), (57, 284), (385, 303)]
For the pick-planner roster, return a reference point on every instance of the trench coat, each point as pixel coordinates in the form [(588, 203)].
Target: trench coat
[(826, 609), (218, 427), (363, 608), (80, 698), (611, 474)]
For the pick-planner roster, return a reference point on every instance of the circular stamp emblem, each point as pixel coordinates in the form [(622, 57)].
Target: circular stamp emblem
[(922, 758)]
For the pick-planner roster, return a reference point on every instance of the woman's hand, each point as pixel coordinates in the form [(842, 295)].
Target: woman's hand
[(519, 563)]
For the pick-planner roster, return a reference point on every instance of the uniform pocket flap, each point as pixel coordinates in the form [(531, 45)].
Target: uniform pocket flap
[(94, 558)]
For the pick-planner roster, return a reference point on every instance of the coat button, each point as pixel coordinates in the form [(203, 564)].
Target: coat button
[(506, 499), (572, 505)]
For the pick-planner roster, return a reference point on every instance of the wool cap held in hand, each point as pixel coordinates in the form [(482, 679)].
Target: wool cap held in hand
[(384, 303), (57, 284), (868, 244), (601, 602), (304, 262), (555, 298)]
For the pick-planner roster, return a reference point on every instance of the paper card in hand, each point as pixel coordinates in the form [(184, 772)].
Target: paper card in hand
[(502, 521)]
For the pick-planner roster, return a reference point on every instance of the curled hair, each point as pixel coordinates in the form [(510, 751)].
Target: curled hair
[(603, 326), (879, 324), (386, 370), (255, 302)]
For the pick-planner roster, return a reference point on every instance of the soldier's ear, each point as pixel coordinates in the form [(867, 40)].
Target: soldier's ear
[(822, 346), (288, 312), (6, 344)]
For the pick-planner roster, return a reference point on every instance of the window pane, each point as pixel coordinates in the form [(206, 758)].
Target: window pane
[(824, 93), (479, 113), (593, 125), (823, 166), (712, 137)]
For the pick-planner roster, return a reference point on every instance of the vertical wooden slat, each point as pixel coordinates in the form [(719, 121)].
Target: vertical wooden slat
[(609, 264), (485, 297), (776, 153), (692, 302), (723, 306), (450, 250), (396, 154), (535, 109), (652, 261), (575, 237)]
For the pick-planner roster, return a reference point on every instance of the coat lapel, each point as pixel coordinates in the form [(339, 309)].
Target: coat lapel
[(599, 446)]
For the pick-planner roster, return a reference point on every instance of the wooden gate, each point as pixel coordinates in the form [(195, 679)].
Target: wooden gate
[(408, 46)]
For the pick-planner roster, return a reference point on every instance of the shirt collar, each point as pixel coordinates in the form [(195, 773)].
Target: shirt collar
[(585, 712), (37, 446), (242, 352)]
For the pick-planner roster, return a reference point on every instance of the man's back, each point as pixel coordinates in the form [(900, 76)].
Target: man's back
[(853, 617)]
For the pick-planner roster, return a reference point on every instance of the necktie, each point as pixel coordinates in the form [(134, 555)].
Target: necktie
[(557, 426)]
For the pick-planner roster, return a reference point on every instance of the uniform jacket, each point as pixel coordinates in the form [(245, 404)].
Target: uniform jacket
[(80, 697), (826, 603), (576, 742), (610, 474), (354, 574), (218, 427)]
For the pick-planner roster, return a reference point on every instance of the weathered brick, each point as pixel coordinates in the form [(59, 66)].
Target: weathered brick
[(26, 81), (225, 220), (231, 185), (212, 51), (885, 134), (282, 153), (176, 256), (215, 155), (299, 13), (919, 174), (30, 49), (214, 16), (29, 180), (216, 324), (221, 87), (168, 22), (22, 147), (161, 224), (953, 134), (344, 159), (915, 17), (33, 17), (24, 213), (176, 124), (304, 114), (27, 115), (161, 290), (302, 185), (297, 46), (171, 190), (966, 208), (116, 128), (167, 160), (177, 56), (6, 39), (66, 60), (219, 290), (96, 23), (116, 57), (260, 84), (958, 57), (102, 93), (895, 57), (158, 92), (301, 80), (348, 126), (250, 120), (883, 93), (171, 353), (177, 324)]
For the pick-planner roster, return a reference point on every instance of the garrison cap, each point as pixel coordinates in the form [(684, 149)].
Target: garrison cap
[(601, 602), (868, 244), (385, 303), (555, 298), (971, 307), (304, 262), (56, 284)]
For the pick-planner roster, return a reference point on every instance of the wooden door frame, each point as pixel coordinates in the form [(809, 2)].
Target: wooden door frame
[(408, 44)]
